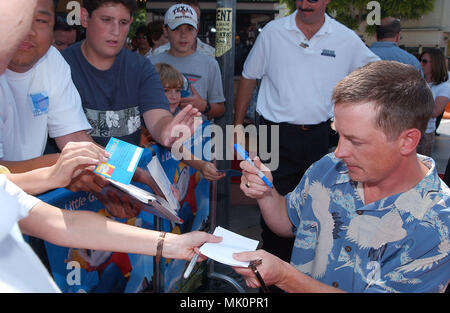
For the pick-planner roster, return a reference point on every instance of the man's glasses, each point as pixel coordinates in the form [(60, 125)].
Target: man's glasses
[(424, 61), (310, 1)]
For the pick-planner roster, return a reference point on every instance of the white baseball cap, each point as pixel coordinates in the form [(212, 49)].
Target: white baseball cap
[(179, 14)]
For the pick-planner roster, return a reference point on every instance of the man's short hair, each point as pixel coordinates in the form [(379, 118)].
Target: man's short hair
[(92, 5), (398, 91), (388, 29), (63, 26), (141, 30)]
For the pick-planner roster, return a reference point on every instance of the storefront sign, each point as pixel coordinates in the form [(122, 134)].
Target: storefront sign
[(224, 30)]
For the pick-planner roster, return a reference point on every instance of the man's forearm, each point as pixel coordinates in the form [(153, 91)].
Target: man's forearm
[(292, 280), (156, 130), (47, 159), (78, 136), (32, 164), (243, 98), (274, 212), (217, 110)]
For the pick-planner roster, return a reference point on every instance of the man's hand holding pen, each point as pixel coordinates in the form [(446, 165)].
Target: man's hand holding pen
[(251, 183)]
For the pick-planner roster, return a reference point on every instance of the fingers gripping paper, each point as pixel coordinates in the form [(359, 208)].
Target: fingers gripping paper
[(231, 243)]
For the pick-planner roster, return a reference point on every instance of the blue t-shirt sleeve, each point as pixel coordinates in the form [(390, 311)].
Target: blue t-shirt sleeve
[(151, 91)]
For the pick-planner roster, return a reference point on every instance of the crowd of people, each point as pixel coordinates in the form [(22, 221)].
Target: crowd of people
[(370, 216)]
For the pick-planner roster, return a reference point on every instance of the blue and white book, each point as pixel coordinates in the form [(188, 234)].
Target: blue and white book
[(122, 162), (119, 171)]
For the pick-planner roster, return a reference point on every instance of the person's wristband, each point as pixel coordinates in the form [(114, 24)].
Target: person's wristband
[(207, 108), (159, 246)]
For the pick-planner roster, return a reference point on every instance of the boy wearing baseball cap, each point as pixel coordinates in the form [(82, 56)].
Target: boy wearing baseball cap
[(201, 71), (199, 45)]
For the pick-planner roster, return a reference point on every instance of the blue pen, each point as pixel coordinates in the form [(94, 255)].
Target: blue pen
[(244, 155)]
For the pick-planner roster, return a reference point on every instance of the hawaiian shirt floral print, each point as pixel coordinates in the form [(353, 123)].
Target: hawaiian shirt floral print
[(397, 244)]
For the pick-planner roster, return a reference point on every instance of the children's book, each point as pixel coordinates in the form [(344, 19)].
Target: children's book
[(119, 171), (122, 163), (159, 175), (150, 202)]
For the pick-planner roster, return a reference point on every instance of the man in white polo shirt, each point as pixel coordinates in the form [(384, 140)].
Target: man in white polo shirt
[(299, 59)]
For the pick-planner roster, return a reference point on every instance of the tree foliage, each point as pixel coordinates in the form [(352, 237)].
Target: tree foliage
[(353, 12), (139, 18)]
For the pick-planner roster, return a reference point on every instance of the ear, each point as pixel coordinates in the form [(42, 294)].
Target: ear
[(397, 38), (408, 140), (84, 17)]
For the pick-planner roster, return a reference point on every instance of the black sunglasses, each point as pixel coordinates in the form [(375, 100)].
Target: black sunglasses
[(424, 61), (310, 1)]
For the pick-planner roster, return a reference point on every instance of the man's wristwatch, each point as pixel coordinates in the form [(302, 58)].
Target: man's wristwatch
[(207, 108)]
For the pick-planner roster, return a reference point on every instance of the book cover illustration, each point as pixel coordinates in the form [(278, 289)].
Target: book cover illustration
[(119, 171), (122, 162)]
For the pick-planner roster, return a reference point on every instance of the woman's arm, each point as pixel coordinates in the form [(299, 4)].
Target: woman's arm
[(88, 230)]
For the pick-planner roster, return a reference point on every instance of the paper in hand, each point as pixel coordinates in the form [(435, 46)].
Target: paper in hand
[(231, 243)]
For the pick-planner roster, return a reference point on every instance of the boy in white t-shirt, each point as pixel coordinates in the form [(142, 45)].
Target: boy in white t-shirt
[(42, 99)]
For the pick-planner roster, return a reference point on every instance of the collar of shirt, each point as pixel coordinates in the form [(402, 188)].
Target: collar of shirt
[(383, 44), (326, 28), (428, 186)]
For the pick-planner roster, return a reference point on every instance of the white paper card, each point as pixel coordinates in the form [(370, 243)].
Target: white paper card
[(159, 175), (231, 243)]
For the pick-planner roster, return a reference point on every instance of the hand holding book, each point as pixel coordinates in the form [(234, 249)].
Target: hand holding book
[(125, 200)]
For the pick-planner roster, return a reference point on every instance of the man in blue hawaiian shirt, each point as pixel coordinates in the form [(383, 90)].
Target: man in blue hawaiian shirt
[(372, 216)]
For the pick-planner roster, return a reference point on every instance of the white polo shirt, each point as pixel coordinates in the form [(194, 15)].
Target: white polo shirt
[(298, 75), (39, 102), (20, 268)]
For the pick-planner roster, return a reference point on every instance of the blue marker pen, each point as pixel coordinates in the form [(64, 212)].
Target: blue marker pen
[(244, 155)]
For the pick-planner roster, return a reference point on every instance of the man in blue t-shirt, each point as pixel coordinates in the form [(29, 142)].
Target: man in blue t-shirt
[(119, 88)]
